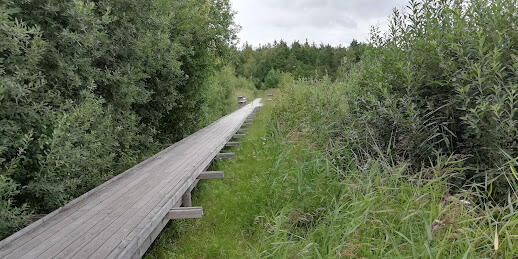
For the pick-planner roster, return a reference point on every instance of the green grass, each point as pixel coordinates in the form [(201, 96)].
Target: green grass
[(282, 197), (230, 205)]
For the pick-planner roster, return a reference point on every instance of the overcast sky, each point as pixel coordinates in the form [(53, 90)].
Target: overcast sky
[(336, 22)]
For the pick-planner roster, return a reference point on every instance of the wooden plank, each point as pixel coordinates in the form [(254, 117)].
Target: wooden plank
[(187, 196), (247, 124), (211, 175), (233, 144), (133, 191), (239, 136), (119, 217), (68, 237), (193, 185), (225, 155), (91, 208), (242, 130), (186, 199), (185, 213), (128, 226), (227, 131)]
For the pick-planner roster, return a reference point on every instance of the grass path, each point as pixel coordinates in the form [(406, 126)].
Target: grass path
[(231, 205), (283, 198)]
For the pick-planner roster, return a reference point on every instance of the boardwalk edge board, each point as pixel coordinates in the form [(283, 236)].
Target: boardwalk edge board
[(225, 155), (233, 144), (185, 213), (211, 175)]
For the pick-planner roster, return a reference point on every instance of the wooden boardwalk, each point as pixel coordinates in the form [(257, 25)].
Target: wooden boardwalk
[(122, 217)]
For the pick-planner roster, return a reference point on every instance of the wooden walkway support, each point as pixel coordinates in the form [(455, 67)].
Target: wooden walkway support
[(123, 216)]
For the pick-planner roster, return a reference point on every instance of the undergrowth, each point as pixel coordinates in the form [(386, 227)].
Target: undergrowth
[(285, 197)]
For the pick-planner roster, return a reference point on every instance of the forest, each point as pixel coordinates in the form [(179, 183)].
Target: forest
[(405, 145), (267, 65)]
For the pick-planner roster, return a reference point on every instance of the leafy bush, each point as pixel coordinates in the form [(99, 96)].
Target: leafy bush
[(272, 80), (88, 87), (442, 81), (221, 93)]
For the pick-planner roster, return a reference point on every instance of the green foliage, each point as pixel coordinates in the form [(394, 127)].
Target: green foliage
[(222, 89), (369, 211), (300, 60), (444, 81), (271, 80), (11, 216), (88, 87)]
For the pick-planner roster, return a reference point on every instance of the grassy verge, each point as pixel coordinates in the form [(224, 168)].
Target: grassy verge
[(283, 197), (231, 205)]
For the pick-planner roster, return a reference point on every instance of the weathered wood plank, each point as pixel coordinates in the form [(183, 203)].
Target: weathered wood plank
[(225, 155), (121, 217), (239, 136), (186, 199), (233, 144), (242, 130), (211, 175), (185, 213)]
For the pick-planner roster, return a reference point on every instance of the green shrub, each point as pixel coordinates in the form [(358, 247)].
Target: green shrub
[(87, 88), (11, 215), (271, 80), (443, 81), (222, 90)]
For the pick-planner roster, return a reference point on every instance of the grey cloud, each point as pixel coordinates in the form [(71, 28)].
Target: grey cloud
[(322, 21), (313, 18), (358, 8)]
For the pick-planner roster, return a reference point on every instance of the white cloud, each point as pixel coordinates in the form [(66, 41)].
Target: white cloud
[(334, 22)]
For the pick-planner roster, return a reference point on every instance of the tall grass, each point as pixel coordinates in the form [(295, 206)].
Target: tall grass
[(443, 80), (379, 206), (411, 154), (284, 196)]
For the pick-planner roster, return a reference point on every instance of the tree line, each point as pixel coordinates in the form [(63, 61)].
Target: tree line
[(266, 64)]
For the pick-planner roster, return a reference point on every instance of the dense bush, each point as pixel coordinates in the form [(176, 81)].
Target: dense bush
[(221, 95), (442, 82), (86, 87)]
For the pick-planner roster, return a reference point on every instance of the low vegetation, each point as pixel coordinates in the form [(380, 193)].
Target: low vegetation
[(410, 152)]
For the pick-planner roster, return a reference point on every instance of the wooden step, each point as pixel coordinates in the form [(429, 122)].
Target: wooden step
[(233, 144), (185, 213), (211, 175), (225, 155)]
